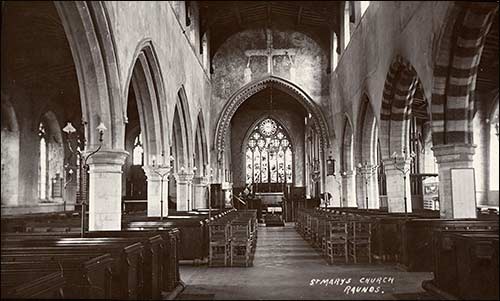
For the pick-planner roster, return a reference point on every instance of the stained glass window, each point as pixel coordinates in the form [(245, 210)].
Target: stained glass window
[(269, 154)]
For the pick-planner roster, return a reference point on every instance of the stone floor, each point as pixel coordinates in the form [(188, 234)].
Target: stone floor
[(287, 267)]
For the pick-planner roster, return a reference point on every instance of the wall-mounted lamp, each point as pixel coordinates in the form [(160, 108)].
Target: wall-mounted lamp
[(77, 145)]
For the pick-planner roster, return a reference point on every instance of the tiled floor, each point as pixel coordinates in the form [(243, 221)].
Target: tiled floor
[(284, 267)]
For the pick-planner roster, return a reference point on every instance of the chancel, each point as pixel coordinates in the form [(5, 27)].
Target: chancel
[(259, 150)]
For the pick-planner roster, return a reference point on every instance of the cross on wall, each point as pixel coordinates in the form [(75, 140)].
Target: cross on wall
[(269, 52)]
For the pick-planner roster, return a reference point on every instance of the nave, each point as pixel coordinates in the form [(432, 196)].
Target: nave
[(286, 267)]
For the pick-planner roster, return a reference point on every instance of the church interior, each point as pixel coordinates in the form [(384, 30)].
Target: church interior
[(208, 150)]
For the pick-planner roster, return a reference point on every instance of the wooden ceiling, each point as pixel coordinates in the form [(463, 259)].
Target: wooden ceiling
[(487, 75), (225, 18)]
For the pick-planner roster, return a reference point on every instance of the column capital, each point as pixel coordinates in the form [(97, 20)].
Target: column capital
[(391, 164), (454, 152), (184, 177), (155, 172), (200, 180), (107, 157)]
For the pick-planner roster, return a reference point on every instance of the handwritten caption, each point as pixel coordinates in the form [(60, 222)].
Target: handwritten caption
[(362, 285)]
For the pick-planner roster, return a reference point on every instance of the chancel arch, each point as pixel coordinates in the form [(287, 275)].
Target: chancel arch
[(240, 96)]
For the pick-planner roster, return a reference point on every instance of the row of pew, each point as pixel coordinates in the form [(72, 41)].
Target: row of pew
[(127, 265), (193, 227), (462, 253), (233, 239)]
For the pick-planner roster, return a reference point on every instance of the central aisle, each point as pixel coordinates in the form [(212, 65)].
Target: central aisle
[(284, 267)]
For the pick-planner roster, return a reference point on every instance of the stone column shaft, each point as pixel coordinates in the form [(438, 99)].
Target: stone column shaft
[(200, 199), (184, 191), (396, 186), (449, 157), (349, 189), (155, 190), (105, 190)]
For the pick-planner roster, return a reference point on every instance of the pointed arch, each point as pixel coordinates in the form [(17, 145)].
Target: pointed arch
[(269, 152), (244, 93), (397, 99), (90, 37), (347, 151), (146, 79), (182, 133), (367, 133), (455, 71), (201, 146)]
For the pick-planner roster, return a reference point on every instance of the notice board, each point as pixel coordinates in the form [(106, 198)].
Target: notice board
[(463, 193)]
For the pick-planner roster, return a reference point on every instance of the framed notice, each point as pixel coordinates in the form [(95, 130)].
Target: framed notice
[(463, 193)]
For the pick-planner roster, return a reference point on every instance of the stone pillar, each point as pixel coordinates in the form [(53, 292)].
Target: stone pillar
[(184, 191), (349, 189), (105, 190), (373, 193), (154, 178), (448, 157), (368, 184), (396, 187), (200, 199)]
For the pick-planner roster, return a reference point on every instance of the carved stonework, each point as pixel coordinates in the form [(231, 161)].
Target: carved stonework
[(246, 92)]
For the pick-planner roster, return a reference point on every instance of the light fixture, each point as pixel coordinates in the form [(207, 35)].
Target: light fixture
[(78, 150)]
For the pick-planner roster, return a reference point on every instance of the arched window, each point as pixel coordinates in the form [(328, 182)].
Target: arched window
[(42, 168), (269, 154), (138, 152)]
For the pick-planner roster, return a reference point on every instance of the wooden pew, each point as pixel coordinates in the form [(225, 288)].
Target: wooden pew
[(126, 268), (193, 234), (49, 286), (82, 277), (477, 261), (418, 251), (466, 266)]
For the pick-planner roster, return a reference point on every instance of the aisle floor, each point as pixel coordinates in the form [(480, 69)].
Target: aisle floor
[(287, 267)]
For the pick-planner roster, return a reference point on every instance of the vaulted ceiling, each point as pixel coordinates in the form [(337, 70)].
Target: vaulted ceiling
[(225, 18)]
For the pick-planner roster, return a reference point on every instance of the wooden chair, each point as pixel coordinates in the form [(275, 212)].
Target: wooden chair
[(359, 239), (336, 244)]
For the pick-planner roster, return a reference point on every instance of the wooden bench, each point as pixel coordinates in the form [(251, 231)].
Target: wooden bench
[(418, 251), (82, 277), (48, 286), (127, 267), (466, 266)]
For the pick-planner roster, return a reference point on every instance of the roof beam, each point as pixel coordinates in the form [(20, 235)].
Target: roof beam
[(299, 14), (237, 14)]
